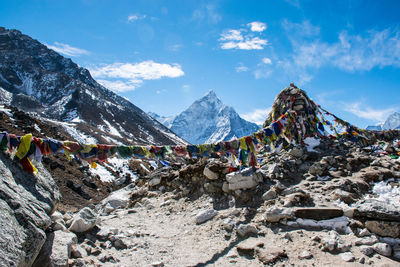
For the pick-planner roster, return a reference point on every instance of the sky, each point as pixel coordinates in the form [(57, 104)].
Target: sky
[(164, 55)]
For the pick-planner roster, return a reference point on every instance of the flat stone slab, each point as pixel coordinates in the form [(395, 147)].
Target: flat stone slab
[(318, 213), (376, 210)]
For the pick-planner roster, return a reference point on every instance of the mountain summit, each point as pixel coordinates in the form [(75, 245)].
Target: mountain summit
[(208, 120), (36, 78), (391, 123)]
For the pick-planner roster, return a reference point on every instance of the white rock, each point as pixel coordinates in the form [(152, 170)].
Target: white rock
[(58, 225), (305, 255), (364, 232), (209, 174), (106, 232), (244, 179), (117, 199), (83, 221), (277, 214), (383, 249), (155, 181), (56, 216), (347, 256), (205, 215)]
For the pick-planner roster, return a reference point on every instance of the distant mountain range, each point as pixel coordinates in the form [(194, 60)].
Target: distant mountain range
[(208, 120), (35, 78), (392, 122)]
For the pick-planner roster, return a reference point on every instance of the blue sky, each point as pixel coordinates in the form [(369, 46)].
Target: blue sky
[(163, 55)]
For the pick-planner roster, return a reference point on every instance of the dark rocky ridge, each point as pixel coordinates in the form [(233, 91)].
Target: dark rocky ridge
[(45, 82)]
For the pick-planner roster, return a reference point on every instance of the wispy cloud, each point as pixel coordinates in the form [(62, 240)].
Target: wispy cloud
[(257, 116), (241, 68), (244, 39), (350, 53), (207, 13), (68, 50), (135, 17), (128, 76), (257, 26), (365, 112)]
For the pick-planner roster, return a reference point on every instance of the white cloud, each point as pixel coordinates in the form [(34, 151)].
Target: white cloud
[(369, 113), (267, 61), (186, 88), (257, 26), (130, 76), (134, 17), (67, 49), (120, 86), (242, 39), (231, 35), (175, 47), (257, 116), (241, 68)]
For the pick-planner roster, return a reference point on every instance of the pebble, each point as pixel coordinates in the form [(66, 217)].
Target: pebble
[(244, 230), (305, 255), (157, 264), (347, 256), (367, 250), (205, 215), (364, 232)]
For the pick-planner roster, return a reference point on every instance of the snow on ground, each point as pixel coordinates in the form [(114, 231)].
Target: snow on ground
[(75, 133), (112, 130), (37, 128), (121, 165), (384, 191), (103, 173), (311, 142), (6, 111)]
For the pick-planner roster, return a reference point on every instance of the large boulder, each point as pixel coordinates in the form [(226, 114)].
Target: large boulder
[(83, 221), (117, 199), (26, 202), (57, 249), (244, 179), (374, 209)]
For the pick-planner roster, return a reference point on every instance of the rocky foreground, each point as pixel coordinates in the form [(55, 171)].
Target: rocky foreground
[(328, 205)]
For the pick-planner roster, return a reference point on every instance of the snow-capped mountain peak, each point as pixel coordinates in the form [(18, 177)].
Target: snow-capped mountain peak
[(209, 120), (392, 122)]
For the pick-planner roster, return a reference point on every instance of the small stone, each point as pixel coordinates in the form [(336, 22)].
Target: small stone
[(228, 224), (288, 236), (157, 264), (209, 174), (383, 249), (347, 257), (361, 260), (364, 232), (305, 255), (78, 252), (270, 194), (271, 254), (316, 238), (95, 251), (205, 215), (296, 152), (244, 230), (249, 246), (118, 242), (367, 250)]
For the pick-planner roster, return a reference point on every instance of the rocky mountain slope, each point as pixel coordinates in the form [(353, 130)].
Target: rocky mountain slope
[(208, 120), (392, 122), (35, 78)]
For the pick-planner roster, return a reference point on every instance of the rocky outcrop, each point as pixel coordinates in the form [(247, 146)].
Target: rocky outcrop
[(26, 202)]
